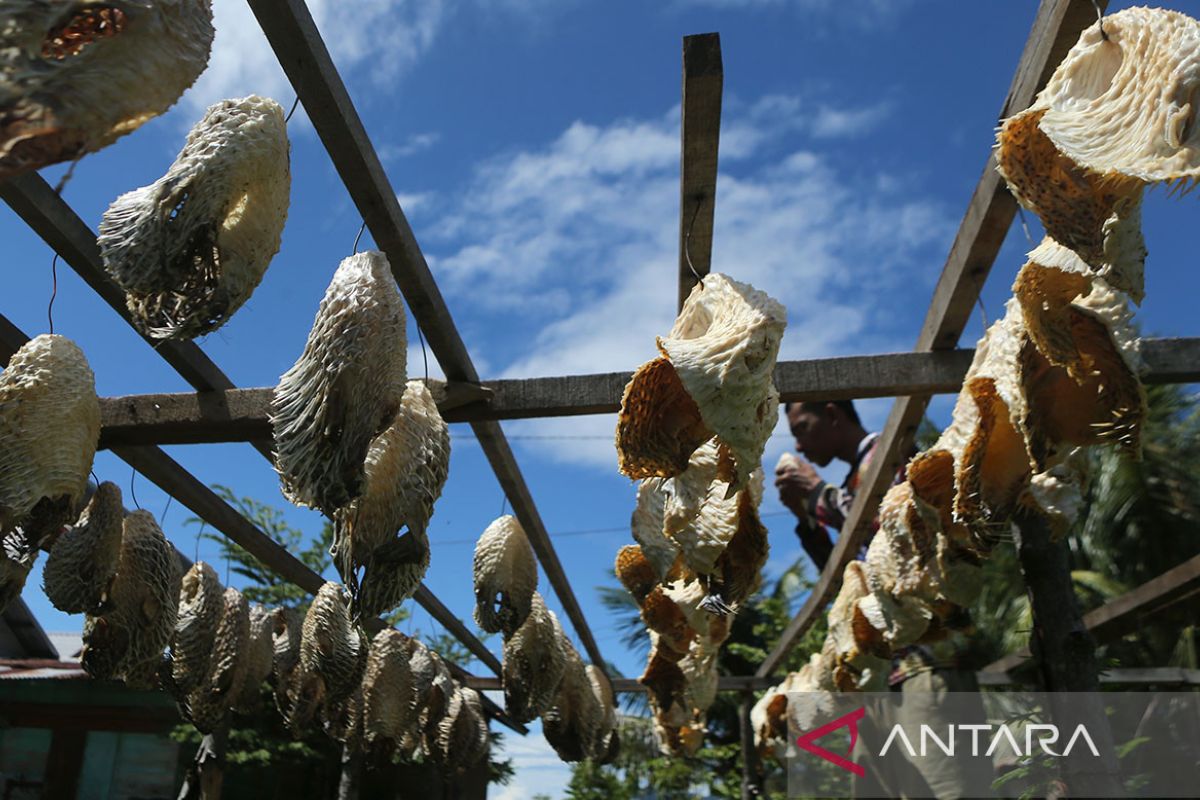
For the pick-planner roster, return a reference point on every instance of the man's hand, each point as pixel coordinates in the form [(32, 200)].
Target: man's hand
[(796, 480)]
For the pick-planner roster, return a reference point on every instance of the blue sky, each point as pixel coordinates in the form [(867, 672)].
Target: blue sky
[(534, 145)]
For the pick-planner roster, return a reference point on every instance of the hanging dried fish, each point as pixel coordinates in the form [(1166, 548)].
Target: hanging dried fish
[(49, 427), (190, 248), (462, 734), (533, 664), (505, 576), (77, 74), (575, 710), (332, 658), (647, 527), (389, 702), (83, 560), (285, 642), (200, 605), (600, 739), (209, 704), (127, 638), (345, 388), (1116, 114), (259, 658), (714, 377), (407, 466)]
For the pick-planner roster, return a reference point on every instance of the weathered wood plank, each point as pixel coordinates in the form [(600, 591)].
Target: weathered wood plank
[(297, 43), (242, 414), (980, 235), (700, 135), (1130, 611)]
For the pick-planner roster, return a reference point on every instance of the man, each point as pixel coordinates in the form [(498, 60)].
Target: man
[(922, 673), (823, 432)]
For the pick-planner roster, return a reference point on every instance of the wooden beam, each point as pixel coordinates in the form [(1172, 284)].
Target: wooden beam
[(980, 235), (237, 415), (293, 35), (1130, 611), (700, 135)]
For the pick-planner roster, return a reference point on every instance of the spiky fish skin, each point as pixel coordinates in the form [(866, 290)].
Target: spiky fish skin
[(83, 560)]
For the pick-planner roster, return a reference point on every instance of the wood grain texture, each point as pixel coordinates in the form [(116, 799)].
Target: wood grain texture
[(700, 136)]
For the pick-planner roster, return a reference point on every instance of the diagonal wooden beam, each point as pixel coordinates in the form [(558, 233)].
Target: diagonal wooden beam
[(1130, 611), (238, 415), (980, 235), (293, 35), (60, 227), (700, 135)]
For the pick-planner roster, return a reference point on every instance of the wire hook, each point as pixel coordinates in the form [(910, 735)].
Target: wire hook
[(53, 291), (687, 241), (288, 118), (1100, 20), (362, 228), (132, 490)]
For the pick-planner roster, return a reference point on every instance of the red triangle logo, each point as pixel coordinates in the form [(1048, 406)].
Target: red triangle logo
[(807, 741)]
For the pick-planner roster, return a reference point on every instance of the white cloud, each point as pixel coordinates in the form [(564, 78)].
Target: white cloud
[(571, 249), (834, 123), (416, 143), (538, 768)]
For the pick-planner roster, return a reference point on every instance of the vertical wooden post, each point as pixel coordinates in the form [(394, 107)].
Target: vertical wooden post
[(1066, 653), (752, 776), (64, 763), (700, 134)]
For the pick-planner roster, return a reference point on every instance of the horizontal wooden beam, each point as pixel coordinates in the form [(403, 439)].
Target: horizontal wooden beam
[(293, 35), (1130, 611), (237, 415), (980, 235)]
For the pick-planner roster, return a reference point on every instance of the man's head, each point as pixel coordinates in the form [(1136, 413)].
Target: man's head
[(825, 430)]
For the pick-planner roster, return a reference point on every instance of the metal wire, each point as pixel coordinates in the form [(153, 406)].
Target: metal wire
[(199, 533), (424, 355), (288, 118), (132, 490), (1100, 20), (687, 242), (356, 238), (53, 291)]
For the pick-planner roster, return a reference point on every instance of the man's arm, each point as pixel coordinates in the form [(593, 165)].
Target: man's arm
[(800, 490)]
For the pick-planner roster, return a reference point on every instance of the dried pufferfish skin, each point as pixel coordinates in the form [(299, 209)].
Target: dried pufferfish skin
[(190, 248), (49, 427), (75, 75), (210, 703), (332, 658), (533, 664), (575, 713), (715, 376), (389, 701), (1118, 113), (344, 389), (259, 658), (647, 525), (406, 469), (285, 645), (505, 576), (83, 560), (601, 740), (462, 734), (127, 639), (201, 601)]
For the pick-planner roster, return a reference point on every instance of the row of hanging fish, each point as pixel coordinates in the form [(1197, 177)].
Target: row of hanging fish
[(387, 695), (357, 441), (1057, 373), (692, 427), (543, 675)]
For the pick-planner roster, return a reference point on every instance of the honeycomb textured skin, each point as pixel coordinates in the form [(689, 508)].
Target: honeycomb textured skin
[(75, 76), (332, 658), (210, 703), (647, 524), (462, 734), (575, 713), (505, 576), (533, 664), (600, 740), (190, 248), (406, 468), (285, 645), (128, 638), (388, 690), (1118, 113), (84, 558), (201, 601), (49, 427), (344, 389), (715, 376), (259, 658)]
